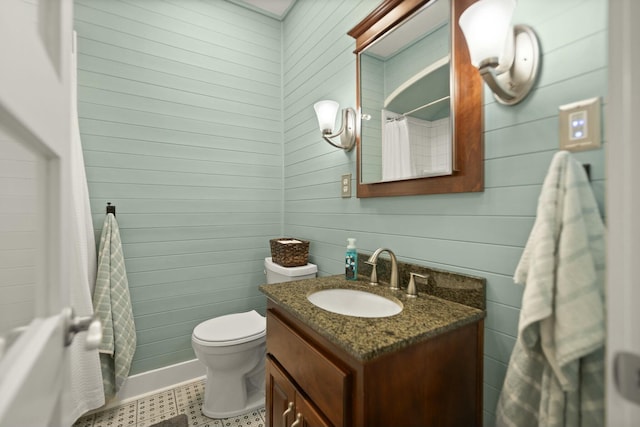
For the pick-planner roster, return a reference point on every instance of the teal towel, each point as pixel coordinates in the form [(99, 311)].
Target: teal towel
[(556, 373), (112, 304)]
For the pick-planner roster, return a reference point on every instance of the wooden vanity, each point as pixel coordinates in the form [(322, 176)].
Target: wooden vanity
[(422, 367)]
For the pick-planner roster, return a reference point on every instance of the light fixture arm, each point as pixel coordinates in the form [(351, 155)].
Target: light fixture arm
[(326, 138), (487, 70), (513, 86), (347, 132)]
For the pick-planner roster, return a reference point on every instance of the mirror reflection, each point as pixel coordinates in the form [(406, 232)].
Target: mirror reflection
[(406, 128)]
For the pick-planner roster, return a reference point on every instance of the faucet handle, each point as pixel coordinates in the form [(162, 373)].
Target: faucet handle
[(411, 288), (373, 281)]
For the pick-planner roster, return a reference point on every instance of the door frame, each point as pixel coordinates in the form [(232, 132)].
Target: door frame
[(622, 200)]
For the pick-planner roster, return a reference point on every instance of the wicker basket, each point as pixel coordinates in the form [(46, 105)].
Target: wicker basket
[(289, 252)]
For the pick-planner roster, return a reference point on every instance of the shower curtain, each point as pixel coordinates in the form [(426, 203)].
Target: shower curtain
[(396, 151), (85, 383)]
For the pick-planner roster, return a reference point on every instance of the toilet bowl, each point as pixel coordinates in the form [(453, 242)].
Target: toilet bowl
[(232, 348)]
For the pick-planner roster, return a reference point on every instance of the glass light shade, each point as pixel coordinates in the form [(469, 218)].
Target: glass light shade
[(487, 29), (326, 112)]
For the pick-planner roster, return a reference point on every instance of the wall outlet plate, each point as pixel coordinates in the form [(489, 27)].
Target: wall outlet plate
[(580, 125), (345, 185)]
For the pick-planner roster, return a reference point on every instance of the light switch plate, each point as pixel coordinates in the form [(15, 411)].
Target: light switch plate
[(580, 125), (346, 186)]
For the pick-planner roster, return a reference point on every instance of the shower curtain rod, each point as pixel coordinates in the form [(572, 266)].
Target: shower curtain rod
[(444, 98), (395, 119)]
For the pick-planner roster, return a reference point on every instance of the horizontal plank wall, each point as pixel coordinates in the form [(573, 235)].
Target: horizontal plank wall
[(181, 124), (482, 233)]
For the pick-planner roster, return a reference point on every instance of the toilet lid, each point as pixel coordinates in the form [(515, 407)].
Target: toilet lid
[(231, 328)]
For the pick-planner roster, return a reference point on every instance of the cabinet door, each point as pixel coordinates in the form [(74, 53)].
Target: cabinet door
[(280, 398), (323, 381), (307, 415), (285, 406)]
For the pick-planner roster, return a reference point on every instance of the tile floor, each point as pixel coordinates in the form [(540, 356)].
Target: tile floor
[(184, 399)]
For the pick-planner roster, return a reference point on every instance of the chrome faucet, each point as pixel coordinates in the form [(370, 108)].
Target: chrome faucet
[(372, 261)]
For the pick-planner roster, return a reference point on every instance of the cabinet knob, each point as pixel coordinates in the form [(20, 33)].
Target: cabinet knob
[(286, 413), (298, 421)]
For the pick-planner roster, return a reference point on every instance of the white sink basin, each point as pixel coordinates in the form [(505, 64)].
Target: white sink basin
[(355, 303)]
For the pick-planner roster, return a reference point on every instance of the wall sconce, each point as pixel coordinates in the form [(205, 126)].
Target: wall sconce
[(326, 112), (507, 56)]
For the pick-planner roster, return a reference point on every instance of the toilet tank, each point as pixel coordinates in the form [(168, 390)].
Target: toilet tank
[(277, 273)]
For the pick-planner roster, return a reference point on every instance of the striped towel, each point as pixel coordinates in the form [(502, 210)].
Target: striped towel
[(556, 372), (112, 305)]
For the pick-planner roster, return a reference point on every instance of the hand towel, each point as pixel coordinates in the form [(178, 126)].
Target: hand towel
[(112, 303), (556, 373), (85, 382)]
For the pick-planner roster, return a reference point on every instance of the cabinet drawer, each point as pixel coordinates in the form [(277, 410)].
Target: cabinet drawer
[(325, 383)]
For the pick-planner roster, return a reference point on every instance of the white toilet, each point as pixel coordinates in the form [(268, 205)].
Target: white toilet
[(232, 347)]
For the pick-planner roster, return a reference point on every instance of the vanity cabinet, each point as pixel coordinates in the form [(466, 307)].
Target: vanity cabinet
[(434, 382), (298, 368)]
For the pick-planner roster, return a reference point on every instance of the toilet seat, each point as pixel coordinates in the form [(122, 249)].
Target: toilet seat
[(236, 328)]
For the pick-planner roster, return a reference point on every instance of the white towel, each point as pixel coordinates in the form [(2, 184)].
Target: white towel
[(86, 378), (556, 372)]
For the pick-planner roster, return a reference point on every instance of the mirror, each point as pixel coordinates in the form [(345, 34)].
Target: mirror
[(404, 98), (419, 101)]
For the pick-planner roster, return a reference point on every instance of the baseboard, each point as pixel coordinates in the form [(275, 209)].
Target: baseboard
[(151, 382)]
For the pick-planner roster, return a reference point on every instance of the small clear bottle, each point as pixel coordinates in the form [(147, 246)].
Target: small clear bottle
[(351, 260)]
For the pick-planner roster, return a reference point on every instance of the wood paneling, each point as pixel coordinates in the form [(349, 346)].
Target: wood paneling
[(480, 234), (200, 104), (181, 124)]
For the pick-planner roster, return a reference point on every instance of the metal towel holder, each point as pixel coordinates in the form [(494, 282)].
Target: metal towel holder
[(111, 209)]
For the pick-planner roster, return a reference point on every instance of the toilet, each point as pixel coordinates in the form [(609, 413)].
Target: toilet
[(232, 347)]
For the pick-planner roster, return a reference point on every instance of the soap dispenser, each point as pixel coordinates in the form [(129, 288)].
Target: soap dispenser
[(351, 260)]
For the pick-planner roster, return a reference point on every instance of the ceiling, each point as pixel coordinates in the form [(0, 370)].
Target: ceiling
[(274, 8)]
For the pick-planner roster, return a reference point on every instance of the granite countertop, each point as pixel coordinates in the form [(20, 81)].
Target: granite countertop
[(367, 338)]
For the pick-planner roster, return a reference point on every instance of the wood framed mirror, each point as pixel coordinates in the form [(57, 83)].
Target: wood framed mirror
[(465, 120)]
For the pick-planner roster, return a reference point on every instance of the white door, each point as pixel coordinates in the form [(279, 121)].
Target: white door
[(623, 211), (35, 46)]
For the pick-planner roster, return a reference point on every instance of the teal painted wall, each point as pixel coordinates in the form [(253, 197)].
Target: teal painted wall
[(481, 233), (197, 122), (180, 118)]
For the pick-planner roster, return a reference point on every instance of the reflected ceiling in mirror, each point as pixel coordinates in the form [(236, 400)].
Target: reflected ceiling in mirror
[(405, 101)]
